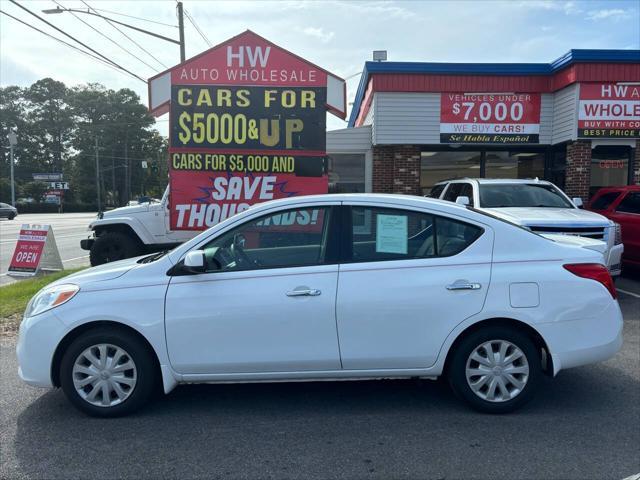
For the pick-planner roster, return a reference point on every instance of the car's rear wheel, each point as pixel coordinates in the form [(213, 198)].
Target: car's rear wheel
[(495, 369), (107, 372)]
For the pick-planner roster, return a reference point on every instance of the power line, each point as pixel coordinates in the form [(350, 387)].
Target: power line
[(107, 37), (66, 43), (127, 36), (195, 25), (137, 18), (76, 40)]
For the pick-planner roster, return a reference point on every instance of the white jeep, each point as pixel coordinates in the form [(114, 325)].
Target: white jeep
[(131, 231), (541, 207)]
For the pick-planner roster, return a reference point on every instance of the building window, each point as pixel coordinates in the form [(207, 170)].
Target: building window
[(509, 164), (346, 173), (609, 167), (438, 166)]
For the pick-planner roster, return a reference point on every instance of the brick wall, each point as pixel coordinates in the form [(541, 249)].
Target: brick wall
[(578, 174), (636, 165), (396, 169)]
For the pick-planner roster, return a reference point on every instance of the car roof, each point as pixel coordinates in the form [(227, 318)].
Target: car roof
[(621, 188), (497, 181)]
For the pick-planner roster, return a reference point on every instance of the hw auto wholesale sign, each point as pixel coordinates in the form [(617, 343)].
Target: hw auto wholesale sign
[(247, 125), (609, 110), (489, 118)]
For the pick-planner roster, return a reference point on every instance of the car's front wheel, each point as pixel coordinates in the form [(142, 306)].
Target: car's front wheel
[(107, 372), (495, 369)]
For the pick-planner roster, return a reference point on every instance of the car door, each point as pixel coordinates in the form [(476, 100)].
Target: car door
[(408, 278), (267, 302), (627, 214)]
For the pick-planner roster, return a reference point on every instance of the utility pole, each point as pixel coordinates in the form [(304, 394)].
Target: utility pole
[(98, 176), (181, 30), (13, 139), (127, 190)]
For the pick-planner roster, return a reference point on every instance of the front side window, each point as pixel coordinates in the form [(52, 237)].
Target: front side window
[(604, 200), (392, 234), (497, 195), (437, 191), (453, 192), (291, 238), (630, 204)]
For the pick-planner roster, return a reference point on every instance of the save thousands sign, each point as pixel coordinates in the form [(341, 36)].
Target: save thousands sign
[(247, 125)]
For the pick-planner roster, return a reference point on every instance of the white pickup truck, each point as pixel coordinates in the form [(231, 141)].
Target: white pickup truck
[(541, 207)]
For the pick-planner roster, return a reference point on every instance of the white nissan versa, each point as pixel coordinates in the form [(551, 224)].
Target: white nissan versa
[(328, 287)]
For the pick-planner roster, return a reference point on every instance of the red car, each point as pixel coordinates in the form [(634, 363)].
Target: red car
[(622, 205)]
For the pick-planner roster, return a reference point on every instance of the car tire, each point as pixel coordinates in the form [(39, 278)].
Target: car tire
[(113, 246), (11, 216), (108, 372), (473, 372)]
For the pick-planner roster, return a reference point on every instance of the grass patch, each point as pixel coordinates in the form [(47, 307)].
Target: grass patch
[(15, 296)]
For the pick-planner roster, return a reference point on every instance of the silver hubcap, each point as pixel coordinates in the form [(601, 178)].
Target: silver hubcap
[(497, 371), (104, 375)]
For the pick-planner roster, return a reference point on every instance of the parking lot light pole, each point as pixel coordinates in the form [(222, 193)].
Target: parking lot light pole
[(13, 139)]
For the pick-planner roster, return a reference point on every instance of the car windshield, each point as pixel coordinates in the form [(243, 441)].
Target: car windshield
[(153, 257), (497, 195)]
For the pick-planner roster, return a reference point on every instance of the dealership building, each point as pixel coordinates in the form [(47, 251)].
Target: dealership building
[(574, 121)]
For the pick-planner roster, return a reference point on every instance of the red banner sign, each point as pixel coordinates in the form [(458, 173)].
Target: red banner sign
[(29, 250), (247, 125), (609, 110), (489, 118)]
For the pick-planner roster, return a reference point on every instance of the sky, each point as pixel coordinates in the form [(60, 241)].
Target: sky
[(336, 35)]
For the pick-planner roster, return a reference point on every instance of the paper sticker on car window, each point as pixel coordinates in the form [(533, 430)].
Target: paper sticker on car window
[(392, 234)]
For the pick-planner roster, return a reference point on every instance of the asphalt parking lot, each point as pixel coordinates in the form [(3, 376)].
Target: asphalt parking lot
[(68, 229), (585, 424)]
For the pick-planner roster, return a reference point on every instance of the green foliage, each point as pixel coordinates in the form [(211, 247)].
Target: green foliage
[(35, 190), (15, 296), (57, 129)]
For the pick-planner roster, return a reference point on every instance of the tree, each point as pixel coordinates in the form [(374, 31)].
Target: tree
[(35, 190)]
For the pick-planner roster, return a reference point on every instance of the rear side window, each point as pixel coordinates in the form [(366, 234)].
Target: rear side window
[(630, 204), (380, 234), (604, 200)]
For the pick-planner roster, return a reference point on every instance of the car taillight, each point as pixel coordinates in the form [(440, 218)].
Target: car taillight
[(594, 271)]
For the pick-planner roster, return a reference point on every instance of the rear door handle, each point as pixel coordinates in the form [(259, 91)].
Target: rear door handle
[(304, 292), (464, 286)]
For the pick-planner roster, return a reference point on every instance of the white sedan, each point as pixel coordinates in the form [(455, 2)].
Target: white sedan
[(328, 287)]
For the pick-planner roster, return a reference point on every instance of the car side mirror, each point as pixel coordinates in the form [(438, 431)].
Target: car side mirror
[(463, 200), (194, 262), (577, 201)]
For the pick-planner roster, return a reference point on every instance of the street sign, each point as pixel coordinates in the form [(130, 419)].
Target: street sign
[(35, 251), (47, 177)]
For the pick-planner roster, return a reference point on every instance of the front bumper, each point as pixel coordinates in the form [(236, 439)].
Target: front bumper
[(37, 342), (614, 260), (87, 243)]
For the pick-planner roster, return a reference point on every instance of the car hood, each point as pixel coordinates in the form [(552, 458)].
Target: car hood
[(575, 240), (101, 273), (126, 211), (542, 216)]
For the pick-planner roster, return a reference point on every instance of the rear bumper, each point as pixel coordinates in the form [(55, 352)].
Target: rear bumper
[(588, 340)]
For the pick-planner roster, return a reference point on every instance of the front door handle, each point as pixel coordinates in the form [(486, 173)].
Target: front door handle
[(464, 286), (304, 292)]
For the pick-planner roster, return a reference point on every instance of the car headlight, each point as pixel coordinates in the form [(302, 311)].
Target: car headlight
[(618, 234), (50, 297)]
